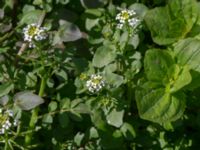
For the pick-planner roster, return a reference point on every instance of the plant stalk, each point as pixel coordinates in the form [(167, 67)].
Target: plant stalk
[(34, 116)]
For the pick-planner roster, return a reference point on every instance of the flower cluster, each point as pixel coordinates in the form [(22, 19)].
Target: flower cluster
[(95, 83), (33, 33), (7, 120), (128, 17)]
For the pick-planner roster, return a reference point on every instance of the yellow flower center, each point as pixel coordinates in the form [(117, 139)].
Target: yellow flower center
[(125, 15), (32, 30), (83, 76), (96, 81)]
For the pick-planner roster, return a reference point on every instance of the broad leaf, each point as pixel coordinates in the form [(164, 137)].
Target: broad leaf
[(140, 9), (31, 17), (91, 3), (128, 131), (182, 77), (26, 100), (63, 119), (157, 105), (66, 33), (187, 52), (115, 117), (156, 64), (103, 56), (90, 23), (47, 119), (5, 88), (4, 100), (114, 79), (172, 22)]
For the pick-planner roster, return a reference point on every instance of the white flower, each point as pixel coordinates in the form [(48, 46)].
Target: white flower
[(33, 33), (10, 113), (95, 83), (120, 25), (7, 121), (15, 123), (7, 125), (2, 131), (127, 17)]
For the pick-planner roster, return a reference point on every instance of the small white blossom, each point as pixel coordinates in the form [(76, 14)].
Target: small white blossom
[(33, 33), (15, 123), (7, 125), (7, 121), (95, 83), (2, 131), (10, 113), (127, 17)]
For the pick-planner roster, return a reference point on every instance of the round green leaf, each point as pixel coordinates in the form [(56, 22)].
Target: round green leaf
[(156, 64), (103, 56), (5, 88), (170, 23), (187, 52), (157, 105), (26, 100), (115, 117), (31, 17), (128, 131)]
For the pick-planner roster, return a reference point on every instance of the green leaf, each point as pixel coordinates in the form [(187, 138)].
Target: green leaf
[(115, 117), (134, 41), (75, 116), (114, 79), (31, 79), (195, 81), (65, 103), (97, 118), (90, 23), (187, 52), (156, 64), (47, 119), (196, 27), (61, 74), (67, 32), (128, 131), (139, 8), (26, 100), (64, 2), (4, 49), (5, 88), (155, 104), (172, 22), (31, 17), (103, 56), (63, 119), (93, 133), (180, 80), (4, 100), (82, 108), (78, 138), (52, 106), (91, 3), (112, 140), (1, 13)]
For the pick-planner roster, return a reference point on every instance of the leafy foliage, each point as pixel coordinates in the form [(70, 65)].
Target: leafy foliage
[(99, 74)]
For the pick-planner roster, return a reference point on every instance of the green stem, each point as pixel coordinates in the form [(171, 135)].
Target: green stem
[(6, 142), (34, 116), (6, 36), (129, 90)]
